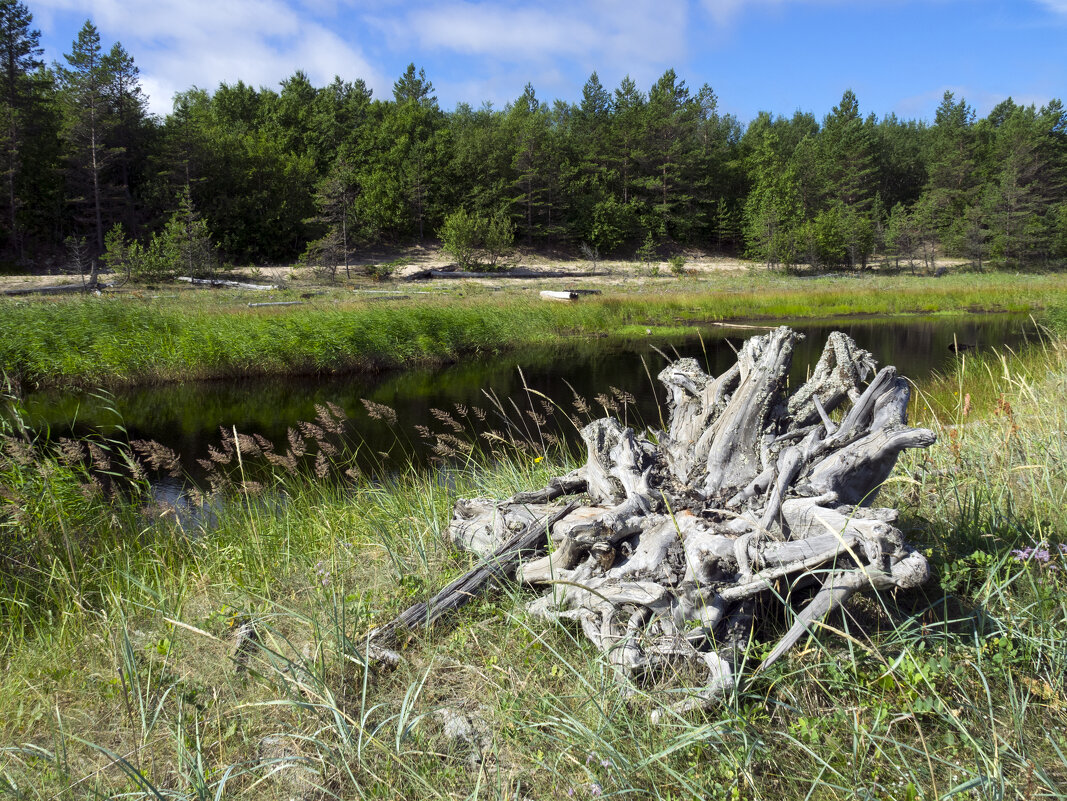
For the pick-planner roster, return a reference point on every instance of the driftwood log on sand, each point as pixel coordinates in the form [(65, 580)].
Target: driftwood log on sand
[(671, 537), (218, 282)]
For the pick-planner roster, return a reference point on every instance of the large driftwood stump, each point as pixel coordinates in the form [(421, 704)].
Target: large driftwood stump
[(750, 491)]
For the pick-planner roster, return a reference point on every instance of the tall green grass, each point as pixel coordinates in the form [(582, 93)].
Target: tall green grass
[(230, 660), (135, 338)]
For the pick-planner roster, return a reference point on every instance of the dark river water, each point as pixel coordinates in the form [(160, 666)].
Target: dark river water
[(187, 417)]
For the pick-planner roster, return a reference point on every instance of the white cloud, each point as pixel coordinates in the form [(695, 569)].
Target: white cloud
[(640, 37), (510, 34), (723, 12), (1057, 6), (181, 43)]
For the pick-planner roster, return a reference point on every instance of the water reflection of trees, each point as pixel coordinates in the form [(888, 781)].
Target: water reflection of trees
[(187, 417)]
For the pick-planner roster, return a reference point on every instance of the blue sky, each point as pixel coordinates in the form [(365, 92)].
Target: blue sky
[(777, 55)]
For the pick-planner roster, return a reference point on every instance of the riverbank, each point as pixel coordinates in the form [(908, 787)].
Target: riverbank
[(125, 669), (150, 336)]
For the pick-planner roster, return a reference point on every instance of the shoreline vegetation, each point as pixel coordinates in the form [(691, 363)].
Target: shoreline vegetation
[(226, 659), (143, 336)]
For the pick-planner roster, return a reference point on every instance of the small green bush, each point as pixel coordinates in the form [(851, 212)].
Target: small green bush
[(184, 247), (497, 237), (461, 236), (677, 264), (476, 241), (379, 272)]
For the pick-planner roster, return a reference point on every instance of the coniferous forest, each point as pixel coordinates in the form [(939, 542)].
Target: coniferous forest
[(273, 174)]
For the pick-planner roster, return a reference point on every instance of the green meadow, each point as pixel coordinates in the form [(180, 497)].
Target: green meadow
[(138, 337), (128, 670)]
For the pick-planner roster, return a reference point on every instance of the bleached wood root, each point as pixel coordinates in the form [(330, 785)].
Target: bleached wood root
[(673, 537)]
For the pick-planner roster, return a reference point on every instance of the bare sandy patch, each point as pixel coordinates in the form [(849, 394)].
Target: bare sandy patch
[(399, 264)]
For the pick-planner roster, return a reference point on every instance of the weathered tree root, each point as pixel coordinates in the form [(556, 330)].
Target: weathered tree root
[(749, 491)]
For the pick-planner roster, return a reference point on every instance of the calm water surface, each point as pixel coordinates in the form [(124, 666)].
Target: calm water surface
[(187, 417)]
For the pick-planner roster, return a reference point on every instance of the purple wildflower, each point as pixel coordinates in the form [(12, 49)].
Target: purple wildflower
[(1039, 552), (322, 571), (595, 789)]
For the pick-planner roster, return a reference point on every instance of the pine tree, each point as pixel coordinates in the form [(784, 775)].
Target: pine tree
[(899, 241), (951, 166), (711, 173), (528, 130), (975, 233), (334, 197), (847, 154), (671, 152), (727, 231), (128, 110), (401, 176), (772, 212), (187, 241), (20, 56), (628, 135), (1025, 182), (87, 122), (586, 176), (849, 174)]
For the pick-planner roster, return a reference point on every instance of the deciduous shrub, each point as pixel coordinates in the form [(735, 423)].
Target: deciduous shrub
[(476, 240)]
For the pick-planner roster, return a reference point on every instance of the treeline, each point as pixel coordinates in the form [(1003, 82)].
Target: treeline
[(273, 175)]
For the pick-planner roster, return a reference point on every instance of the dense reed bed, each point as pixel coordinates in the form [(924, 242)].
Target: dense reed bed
[(136, 338), (151, 653)]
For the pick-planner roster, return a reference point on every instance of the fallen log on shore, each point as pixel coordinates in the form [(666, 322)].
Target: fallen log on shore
[(674, 541), (517, 272), (59, 289), (218, 282)]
